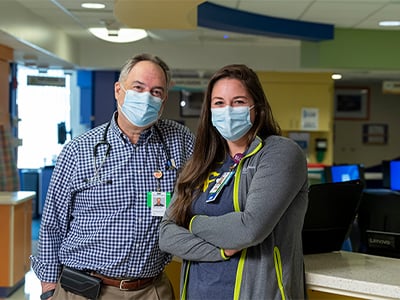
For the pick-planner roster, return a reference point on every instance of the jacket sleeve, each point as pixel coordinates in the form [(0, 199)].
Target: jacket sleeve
[(280, 177), (180, 242)]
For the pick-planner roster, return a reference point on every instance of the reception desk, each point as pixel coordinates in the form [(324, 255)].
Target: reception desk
[(350, 275), (16, 239), (339, 275)]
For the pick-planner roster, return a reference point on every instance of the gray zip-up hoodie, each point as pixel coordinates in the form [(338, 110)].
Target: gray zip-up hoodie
[(270, 201)]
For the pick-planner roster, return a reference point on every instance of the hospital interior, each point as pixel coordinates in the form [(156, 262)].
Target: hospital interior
[(330, 70)]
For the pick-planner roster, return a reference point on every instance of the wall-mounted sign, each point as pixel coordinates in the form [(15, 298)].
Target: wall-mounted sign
[(46, 80), (391, 87)]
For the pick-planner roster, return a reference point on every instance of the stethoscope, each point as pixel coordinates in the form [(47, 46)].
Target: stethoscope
[(170, 165), (103, 141)]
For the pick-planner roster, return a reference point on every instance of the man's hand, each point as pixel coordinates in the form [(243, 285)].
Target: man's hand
[(48, 286), (230, 252)]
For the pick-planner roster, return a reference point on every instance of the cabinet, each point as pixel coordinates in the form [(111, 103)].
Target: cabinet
[(44, 181), (29, 181), (289, 93), (16, 239), (173, 271)]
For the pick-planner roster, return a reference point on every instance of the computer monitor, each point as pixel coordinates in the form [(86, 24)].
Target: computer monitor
[(386, 174), (395, 175), (379, 222), (332, 208), (191, 102), (345, 172), (391, 174)]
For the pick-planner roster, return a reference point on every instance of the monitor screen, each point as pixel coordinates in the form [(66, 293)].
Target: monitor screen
[(395, 175), (386, 174), (191, 102), (341, 173)]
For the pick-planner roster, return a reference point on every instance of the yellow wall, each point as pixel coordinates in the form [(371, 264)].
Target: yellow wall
[(288, 93)]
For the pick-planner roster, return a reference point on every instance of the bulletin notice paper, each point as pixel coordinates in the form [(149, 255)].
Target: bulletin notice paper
[(309, 118)]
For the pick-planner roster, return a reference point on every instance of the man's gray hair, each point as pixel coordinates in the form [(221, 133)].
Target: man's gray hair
[(130, 63)]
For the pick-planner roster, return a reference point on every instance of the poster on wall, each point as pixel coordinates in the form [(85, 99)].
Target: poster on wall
[(301, 138), (309, 118), (375, 134)]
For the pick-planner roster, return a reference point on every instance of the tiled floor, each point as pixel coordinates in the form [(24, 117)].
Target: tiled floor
[(30, 291)]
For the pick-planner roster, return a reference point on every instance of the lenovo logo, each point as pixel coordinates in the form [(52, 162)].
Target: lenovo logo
[(377, 242)]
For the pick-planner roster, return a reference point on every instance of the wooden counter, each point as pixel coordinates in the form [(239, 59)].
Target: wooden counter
[(352, 275), (16, 239), (13, 198)]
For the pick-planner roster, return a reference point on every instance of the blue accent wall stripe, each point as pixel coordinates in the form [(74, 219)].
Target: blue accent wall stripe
[(219, 17)]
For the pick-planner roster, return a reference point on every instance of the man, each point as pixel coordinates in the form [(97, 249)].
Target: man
[(99, 233), (158, 202)]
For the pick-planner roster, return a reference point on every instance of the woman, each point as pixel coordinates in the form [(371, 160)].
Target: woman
[(239, 203)]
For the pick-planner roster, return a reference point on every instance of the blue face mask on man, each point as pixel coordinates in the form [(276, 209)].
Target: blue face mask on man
[(231, 122), (141, 109)]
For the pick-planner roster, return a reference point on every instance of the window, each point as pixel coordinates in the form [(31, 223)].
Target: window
[(40, 108)]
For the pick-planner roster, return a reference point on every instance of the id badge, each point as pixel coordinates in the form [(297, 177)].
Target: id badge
[(158, 202), (219, 184)]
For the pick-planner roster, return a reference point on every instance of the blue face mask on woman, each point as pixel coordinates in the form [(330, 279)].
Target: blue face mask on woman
[(231, 122), (141, 109)]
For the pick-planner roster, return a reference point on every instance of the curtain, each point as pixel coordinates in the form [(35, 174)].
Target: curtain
[(9, 179)]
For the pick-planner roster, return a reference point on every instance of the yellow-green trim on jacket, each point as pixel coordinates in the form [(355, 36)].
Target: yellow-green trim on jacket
[(239, 272), (278, 270)]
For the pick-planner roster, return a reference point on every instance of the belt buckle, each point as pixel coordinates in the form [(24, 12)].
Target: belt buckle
[(122, 282)]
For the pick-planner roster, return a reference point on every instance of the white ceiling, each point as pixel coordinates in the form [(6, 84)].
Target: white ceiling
[(74, 21)]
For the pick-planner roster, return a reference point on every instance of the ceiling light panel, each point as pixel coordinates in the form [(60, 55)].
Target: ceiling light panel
[(387, 13), (123, 35), (92, 5)]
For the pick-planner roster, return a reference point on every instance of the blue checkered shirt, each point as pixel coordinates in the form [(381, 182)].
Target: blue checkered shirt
[(101, 222)]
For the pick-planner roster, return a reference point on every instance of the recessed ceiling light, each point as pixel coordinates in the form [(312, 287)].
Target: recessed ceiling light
[(389, 23), (122, 35), (336, 76), (93, 5)]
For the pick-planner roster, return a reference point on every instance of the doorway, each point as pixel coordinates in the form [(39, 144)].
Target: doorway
[(43, 102)]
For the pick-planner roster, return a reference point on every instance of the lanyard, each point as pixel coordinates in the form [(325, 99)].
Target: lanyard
[(224, 179)]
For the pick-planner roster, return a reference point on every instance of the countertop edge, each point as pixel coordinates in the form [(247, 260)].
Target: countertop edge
[(14, 198)]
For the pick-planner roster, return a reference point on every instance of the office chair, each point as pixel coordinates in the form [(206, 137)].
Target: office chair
[(332, 208), (379, 222)]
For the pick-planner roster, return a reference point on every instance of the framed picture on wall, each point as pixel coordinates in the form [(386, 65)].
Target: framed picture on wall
[(352, 103), (375, 134)]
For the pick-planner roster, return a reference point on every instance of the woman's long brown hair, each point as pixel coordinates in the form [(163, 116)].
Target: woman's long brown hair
[(210, 147)]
